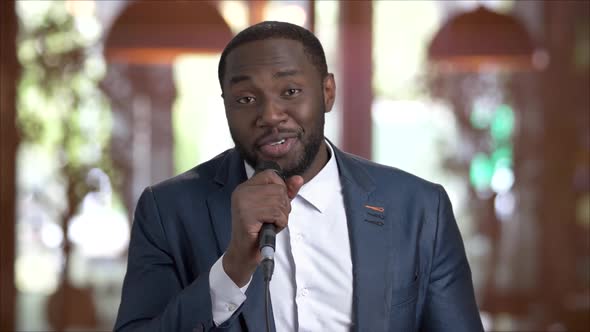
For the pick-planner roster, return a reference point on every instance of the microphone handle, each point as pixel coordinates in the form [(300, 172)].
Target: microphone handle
[(267, 235)]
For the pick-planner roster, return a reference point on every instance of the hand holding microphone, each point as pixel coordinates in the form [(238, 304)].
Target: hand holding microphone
[(264, 199)]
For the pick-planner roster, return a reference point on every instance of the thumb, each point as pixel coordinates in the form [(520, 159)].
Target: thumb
[(294, 183)]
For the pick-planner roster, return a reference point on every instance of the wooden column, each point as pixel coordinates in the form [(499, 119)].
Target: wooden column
[(311, 20), (256, 8), (564, 110), (356, 90), (8, 143)]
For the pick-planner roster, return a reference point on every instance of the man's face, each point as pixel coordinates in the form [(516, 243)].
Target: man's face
[(275, 102)]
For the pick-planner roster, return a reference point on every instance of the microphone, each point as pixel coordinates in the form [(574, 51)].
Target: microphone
[(268, 232)]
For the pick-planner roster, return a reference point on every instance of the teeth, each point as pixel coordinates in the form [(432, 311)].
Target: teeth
[(277, 143)]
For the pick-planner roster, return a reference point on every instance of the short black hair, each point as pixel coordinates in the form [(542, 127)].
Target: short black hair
[(277, 30)]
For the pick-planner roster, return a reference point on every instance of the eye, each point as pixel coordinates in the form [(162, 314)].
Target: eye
[(246, 100), (291, 92)]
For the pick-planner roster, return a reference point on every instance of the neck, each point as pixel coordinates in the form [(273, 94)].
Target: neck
[(320, 160)]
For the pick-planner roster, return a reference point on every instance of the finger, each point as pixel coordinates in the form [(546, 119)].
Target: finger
[(294, 183), (278, 200), (264, 194), (273, 215)]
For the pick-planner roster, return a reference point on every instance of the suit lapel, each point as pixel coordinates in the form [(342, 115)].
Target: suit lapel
[(230, 174), (370, 232), (219, 204)]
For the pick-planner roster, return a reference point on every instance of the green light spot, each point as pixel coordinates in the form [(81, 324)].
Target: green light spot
[(502, 125), (481, 171)]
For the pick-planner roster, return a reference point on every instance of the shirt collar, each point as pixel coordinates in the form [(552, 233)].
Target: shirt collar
[(318, 191)]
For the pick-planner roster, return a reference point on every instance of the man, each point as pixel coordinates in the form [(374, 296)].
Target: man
[(360, 247)]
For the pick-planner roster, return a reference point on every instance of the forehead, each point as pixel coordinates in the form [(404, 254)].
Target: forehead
[(267, 56)]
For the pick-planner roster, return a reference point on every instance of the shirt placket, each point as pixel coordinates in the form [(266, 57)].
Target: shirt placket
[(304, 273)]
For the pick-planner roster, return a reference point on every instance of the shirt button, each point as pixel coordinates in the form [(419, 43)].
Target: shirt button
[(231, 307), (299, 237), (304, 292)]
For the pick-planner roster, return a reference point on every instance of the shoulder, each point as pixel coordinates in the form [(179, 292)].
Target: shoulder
[(198, 178), (388, 178)]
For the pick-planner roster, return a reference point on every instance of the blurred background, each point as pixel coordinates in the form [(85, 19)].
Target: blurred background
[(489, 98)]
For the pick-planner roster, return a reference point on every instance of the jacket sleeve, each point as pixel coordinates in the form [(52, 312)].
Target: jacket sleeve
[(450, 300), (153, 298)]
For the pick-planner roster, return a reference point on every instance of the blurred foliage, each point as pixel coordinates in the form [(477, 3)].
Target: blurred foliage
[(65, 125), (61, 110)]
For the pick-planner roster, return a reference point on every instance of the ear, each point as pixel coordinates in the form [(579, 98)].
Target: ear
[(329, 88)]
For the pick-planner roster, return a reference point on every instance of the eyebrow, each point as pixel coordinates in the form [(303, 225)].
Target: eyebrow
[(238, 79), (285, 73), (280, 74)]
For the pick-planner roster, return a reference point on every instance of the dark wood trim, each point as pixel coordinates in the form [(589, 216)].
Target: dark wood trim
[(312, 15), (8, 142), (256, 11), (356, 90)]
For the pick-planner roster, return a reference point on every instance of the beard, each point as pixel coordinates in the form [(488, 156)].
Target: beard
[(311, 145)]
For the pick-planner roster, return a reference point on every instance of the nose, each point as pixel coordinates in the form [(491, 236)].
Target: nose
[(270, 114)]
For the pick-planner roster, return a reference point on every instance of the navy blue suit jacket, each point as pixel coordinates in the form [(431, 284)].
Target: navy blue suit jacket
[(410, 271)]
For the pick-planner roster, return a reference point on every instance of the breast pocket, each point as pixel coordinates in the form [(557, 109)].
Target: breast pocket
[(403, 307)]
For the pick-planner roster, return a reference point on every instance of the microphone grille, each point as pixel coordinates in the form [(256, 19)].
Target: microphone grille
[(263, 165)]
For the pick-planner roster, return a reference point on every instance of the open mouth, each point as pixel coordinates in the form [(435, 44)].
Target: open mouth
[(277, 149), (278, 143)]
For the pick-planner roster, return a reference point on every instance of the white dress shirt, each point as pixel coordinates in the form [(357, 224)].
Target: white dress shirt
[(311, 288)]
